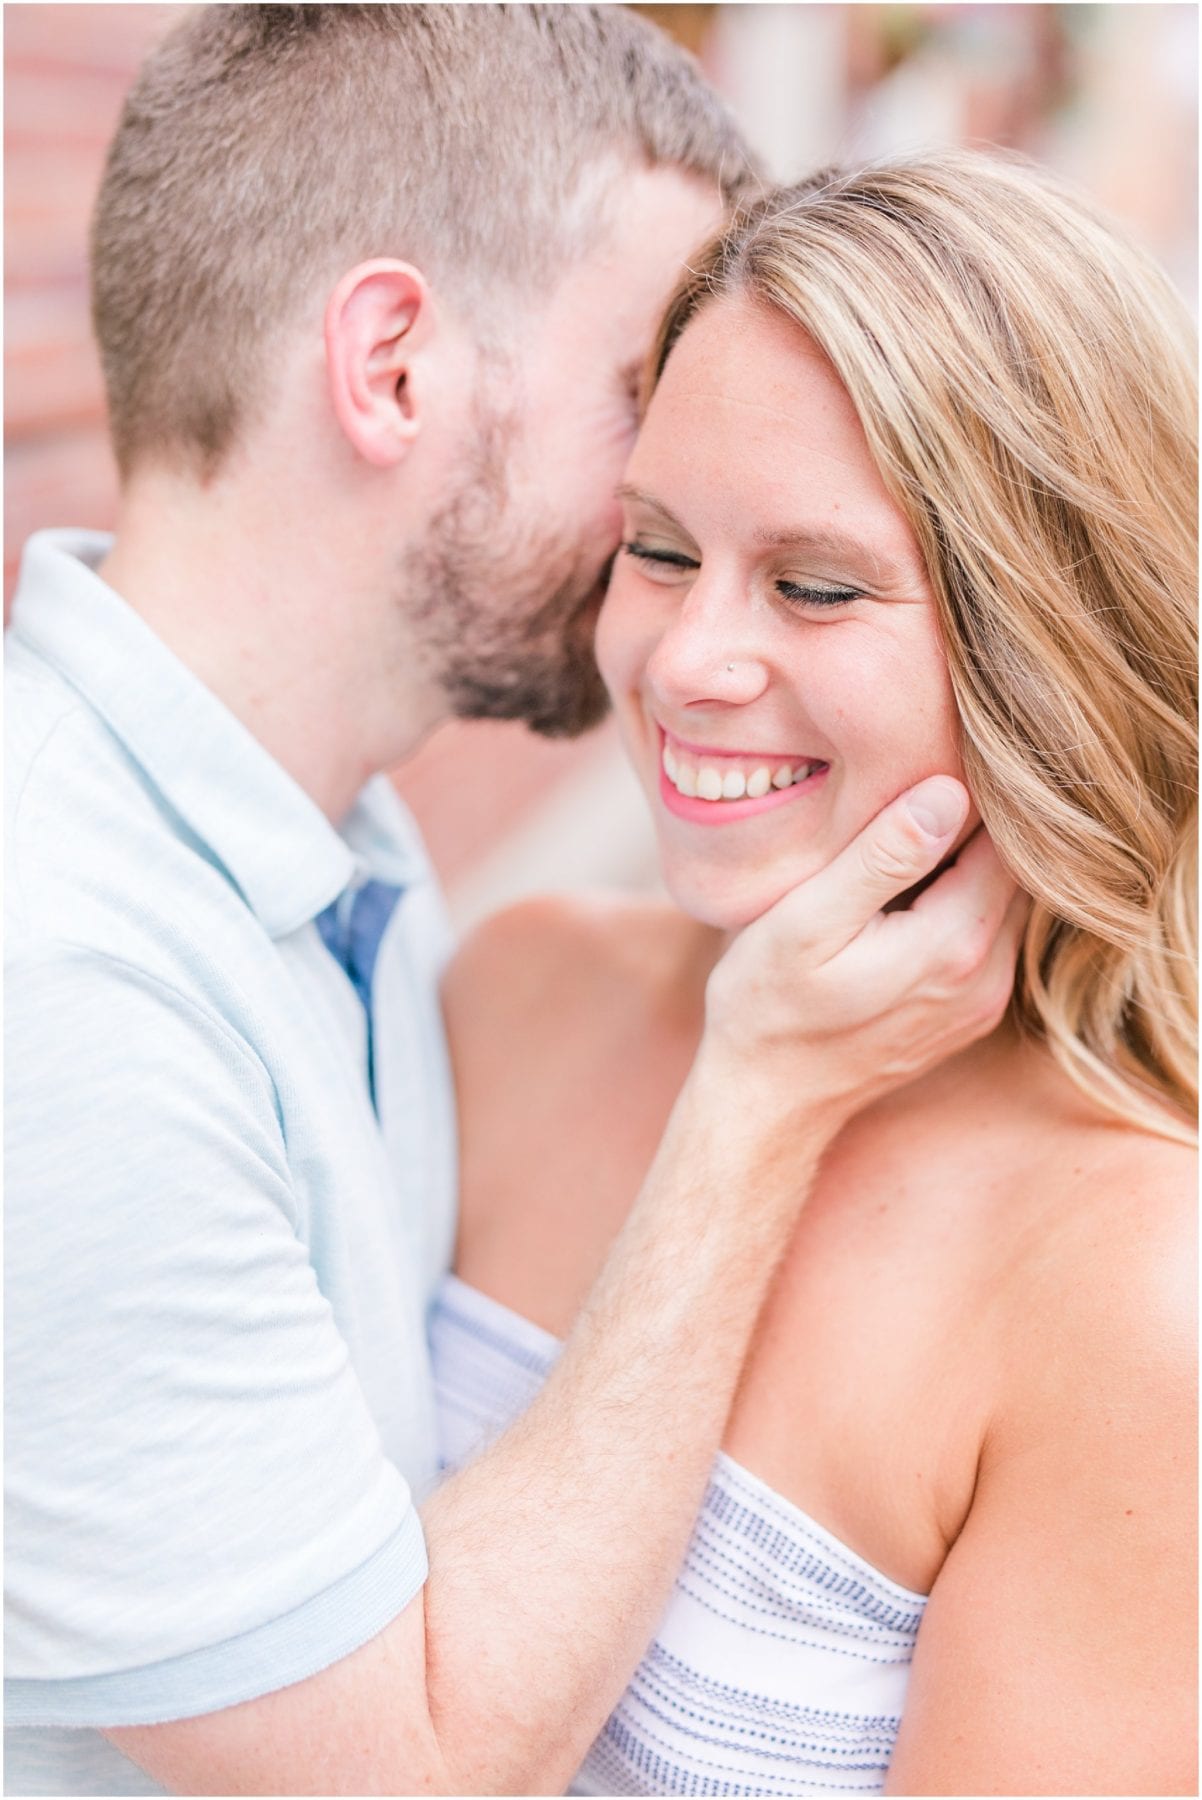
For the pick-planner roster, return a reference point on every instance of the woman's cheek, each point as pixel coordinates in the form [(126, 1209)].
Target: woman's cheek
[(903, 725), (612, 640)]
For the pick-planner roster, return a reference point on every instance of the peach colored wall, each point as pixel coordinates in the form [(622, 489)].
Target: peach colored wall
[(66, 72)]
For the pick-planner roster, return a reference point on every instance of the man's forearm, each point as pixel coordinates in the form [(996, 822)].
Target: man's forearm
[(552, 1555)]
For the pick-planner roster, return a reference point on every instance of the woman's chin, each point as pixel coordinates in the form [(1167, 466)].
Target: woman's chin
[(727, 905)]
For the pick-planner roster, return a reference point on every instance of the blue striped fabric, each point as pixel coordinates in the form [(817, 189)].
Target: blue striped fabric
[(781, 1662)]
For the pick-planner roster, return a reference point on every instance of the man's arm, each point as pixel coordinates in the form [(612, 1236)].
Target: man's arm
[(551, 1555)]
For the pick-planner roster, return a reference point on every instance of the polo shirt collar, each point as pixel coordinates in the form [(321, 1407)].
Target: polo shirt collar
[(274, 841)]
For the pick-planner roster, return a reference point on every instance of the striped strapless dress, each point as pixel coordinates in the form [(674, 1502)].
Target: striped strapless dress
[(781, 1661)]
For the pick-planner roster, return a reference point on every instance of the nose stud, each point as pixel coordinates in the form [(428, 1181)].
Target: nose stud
[(730, 668)]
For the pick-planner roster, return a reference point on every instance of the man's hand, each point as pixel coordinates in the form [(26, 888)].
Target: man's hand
[(552, 1555), (828, 1001)]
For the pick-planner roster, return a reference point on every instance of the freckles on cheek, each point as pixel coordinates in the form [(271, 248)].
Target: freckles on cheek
[(891, 717)]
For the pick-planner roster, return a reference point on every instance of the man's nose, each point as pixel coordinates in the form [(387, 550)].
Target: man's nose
[(711, 652)]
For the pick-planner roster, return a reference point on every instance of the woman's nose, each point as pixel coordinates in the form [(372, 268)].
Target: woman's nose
[(707, 655)]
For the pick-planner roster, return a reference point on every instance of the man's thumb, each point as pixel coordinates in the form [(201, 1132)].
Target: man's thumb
[(940, 805), (905, 842)]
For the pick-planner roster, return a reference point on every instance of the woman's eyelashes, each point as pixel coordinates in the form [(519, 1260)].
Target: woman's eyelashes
[(798, 594), (795, 593), (670, 559)]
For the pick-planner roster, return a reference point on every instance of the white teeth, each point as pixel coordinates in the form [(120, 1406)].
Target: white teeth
[(705, 782)]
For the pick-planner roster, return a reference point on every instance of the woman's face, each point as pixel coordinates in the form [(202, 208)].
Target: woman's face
[(769, 634)]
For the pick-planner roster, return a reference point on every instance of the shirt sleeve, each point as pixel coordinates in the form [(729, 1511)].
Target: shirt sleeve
[(198, 1508)]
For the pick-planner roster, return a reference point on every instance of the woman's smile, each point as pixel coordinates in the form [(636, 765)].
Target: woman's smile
[(719, 787)]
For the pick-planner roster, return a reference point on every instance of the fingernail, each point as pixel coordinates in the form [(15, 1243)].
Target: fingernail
[(940, 805)]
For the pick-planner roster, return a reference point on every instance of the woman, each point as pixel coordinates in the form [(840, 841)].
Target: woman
[(914, 494)]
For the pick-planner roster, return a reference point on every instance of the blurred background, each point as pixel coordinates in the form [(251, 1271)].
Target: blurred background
[(1105, 93)]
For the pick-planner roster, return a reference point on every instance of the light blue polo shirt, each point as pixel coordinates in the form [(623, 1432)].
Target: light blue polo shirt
[(218, 1257)]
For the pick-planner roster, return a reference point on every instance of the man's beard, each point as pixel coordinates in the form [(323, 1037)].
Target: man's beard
[(505, 614)]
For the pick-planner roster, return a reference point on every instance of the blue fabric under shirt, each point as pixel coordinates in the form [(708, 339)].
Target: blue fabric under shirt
[(351, 931)]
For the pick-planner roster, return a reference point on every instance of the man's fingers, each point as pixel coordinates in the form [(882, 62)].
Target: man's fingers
[(966, 942), (893, 852), (985, 993), (1014, 924), (969, 900)]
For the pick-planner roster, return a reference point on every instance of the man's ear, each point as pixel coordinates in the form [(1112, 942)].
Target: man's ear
[(377, 318)]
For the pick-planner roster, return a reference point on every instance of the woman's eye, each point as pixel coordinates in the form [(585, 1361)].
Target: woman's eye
[(798, 594), (664, 559)]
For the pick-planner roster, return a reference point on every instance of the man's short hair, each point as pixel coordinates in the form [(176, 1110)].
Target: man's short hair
[(264, 150)]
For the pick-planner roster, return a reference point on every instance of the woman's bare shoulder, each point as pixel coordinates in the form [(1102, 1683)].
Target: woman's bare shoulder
[(1107, 1259), (1114, 1185), (1134, 1225), (546, 955), (1071, 1570), (568, 1026)]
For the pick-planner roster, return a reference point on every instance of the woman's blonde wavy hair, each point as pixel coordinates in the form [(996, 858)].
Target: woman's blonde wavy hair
[(1026, 381)]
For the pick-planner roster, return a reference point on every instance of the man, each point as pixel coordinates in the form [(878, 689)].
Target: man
[(373, 286)]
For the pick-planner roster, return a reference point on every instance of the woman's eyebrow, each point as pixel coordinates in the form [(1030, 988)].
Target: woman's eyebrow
[(812, 537), (626, 492), (843, 546)]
